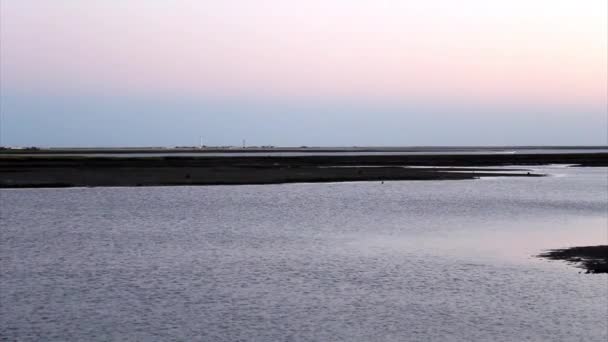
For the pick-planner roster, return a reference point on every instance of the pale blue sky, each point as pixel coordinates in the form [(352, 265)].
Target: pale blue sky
[(317, 73)]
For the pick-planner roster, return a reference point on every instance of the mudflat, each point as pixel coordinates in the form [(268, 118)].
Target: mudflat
[(594, 259), (69, 171)]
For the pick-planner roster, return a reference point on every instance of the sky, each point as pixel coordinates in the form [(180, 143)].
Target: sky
[(292, 73)]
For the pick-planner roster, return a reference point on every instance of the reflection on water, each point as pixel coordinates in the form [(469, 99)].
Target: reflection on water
[(397, 261)]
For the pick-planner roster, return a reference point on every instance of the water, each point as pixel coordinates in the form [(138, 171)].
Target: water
[(399, 261)]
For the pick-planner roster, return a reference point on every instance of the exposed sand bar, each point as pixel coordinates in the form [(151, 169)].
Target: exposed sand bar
[(53, 171)]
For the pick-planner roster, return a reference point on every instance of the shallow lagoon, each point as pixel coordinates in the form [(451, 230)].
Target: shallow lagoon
[(432, 260)]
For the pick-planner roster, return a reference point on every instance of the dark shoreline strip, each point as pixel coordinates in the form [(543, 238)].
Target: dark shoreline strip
[(176, 176), (468, 160), (76, 171), (594, 259)]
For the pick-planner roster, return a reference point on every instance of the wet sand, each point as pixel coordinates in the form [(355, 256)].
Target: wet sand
[(594, 259), (70, 171)]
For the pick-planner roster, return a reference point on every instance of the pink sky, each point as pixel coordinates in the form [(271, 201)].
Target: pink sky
[(541, 51)]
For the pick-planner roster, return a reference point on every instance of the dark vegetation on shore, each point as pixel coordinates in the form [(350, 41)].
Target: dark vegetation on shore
[(64, 171), (580, 159), (594, 259)]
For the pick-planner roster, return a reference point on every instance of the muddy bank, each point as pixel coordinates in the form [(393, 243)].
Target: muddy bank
[(594, 259), (47, 171), (190, 175), (452, 160)]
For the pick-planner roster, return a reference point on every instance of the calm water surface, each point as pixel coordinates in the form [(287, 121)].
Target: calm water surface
[(402, 261)]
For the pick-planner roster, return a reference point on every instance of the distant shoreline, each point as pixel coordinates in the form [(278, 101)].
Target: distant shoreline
[(277, 149), (74, 171)]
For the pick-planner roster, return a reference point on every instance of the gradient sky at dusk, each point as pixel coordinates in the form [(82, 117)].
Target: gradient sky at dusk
[(316, 72)]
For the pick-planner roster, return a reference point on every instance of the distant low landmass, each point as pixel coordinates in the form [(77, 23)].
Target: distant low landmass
[(101, 167)]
